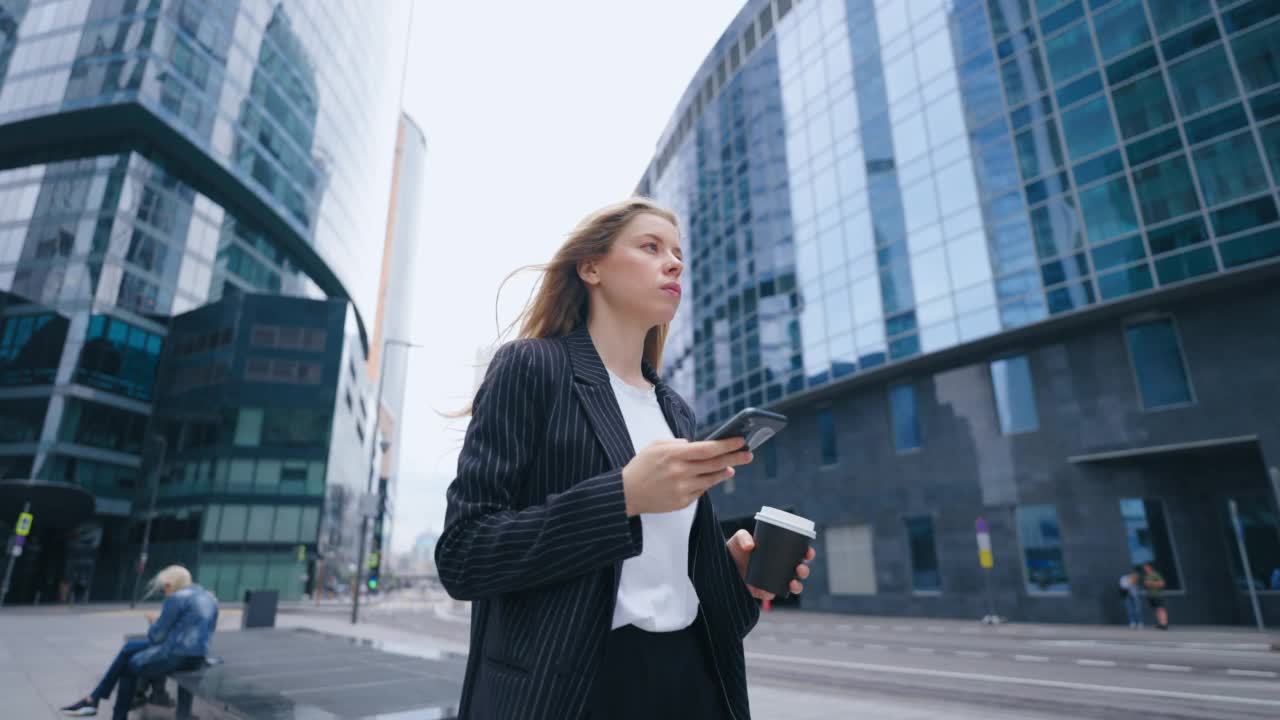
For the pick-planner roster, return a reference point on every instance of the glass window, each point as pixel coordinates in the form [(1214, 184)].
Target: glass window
[(1261, 531), (924, 555), (1108, 210), (827, 436), (1248, 214), (1175, 268), (232, 528), (287, 519), (1120, 252), (1142, 106), (1202, 81), (1015, 395), (1153, 146), (310, 525), (211, 518), (1165, 190), (851, 563), (1121, 28), (1149, 541), (1157, 363), (1024, 77), (1070, 53), (1250, 248), (1271, 142), (1229, 169), (268, 476), (1038, 150), (1171, 14), (1125, 282), (249, 427), (1257, 58), (1088, 128), (240, 477), (906, 426), (260, 517), (1042, 556)]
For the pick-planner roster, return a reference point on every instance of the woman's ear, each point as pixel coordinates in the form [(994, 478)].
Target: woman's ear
[(588, 272)]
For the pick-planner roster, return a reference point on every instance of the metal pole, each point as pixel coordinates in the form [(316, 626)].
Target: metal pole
[(151, 511), (1244, 559), (373, 468), (8, 568)]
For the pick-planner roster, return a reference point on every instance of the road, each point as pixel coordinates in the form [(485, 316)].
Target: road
[(921, 668)]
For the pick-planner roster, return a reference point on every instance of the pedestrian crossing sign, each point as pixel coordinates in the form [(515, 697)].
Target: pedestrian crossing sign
[(24, 524)]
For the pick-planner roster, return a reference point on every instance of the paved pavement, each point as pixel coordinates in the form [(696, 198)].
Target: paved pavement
[(802, 666), (815, 665)]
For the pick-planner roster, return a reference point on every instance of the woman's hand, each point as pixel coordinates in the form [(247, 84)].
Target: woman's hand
[(151, 619), (668, 475), (740, 547)]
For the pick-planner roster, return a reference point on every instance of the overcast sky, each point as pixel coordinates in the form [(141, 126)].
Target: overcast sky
[(535, 114)]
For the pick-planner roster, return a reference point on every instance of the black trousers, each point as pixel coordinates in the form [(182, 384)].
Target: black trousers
[(657, 675)]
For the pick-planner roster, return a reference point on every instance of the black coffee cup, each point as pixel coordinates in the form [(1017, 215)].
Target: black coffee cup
[(782, 541)]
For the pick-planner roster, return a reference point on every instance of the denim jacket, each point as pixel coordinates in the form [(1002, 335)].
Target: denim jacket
[(186, 622)]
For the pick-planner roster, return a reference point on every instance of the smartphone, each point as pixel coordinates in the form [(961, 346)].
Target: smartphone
[(753, 424)]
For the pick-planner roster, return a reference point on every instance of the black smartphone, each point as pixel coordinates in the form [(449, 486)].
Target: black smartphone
[(753, 424)]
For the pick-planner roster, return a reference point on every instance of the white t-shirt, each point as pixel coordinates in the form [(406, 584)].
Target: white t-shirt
[(654, 592)]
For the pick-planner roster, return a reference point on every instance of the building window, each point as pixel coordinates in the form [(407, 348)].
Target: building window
[(906, 426), (1158, 365), (1015, 395), (1148, 536), (924, 555), (1261, 531), (827, 435), (249, 427), (850, 561), (1041, 538)]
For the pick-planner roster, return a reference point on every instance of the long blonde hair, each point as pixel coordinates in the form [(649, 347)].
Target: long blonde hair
[(559, 303), (175, 576)]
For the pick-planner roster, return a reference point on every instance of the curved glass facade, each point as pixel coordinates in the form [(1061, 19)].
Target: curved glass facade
[(157, 157), (288, 97), (863, 182)]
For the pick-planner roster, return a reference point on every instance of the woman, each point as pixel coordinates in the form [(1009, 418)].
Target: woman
[(1131, 590), (578, 524), (177, 640)]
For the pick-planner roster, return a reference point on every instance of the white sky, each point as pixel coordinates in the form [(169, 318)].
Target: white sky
[(535, 114)]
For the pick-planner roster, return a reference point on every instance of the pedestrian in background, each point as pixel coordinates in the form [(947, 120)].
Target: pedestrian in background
[(177, 640), (1131, 592), (1153, 583)]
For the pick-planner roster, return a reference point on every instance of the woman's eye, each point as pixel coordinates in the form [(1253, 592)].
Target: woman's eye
[(652, 246)]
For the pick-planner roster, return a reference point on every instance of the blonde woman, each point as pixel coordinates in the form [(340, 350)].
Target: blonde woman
[(579, 524), (177, 640)]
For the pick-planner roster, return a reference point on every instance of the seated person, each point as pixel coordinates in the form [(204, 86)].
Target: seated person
[(178, 640)]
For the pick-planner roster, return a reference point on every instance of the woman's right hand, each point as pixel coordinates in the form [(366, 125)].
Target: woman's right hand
[(670, 474)]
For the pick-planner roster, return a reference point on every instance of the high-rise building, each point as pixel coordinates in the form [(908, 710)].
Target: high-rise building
[(393, 327), (1002, 260), (193, 214)]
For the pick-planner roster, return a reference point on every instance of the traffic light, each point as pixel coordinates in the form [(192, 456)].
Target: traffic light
[(375, 564)]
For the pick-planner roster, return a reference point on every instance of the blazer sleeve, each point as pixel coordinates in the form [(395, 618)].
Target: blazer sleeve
[(743, 607), (488, 547), (736, 598)]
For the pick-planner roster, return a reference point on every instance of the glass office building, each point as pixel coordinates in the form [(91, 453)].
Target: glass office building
[(160, 158), (882, 197)]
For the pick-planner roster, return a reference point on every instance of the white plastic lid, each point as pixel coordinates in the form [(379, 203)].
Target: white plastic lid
[(795, 523)]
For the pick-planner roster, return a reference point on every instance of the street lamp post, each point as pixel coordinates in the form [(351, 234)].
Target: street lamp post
[(373, 469)]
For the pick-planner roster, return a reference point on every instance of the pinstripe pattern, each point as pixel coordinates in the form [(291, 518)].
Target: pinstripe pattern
[(536, 532)]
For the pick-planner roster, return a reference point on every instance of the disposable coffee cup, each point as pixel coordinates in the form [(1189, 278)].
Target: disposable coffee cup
[(782, 541)]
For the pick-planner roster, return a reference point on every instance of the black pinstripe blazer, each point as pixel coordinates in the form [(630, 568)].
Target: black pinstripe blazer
[(536, 532)]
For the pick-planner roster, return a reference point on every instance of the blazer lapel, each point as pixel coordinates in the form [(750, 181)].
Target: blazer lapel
[(591, 385)]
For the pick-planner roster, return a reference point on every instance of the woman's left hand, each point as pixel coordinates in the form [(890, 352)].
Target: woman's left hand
[(740, 547)]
